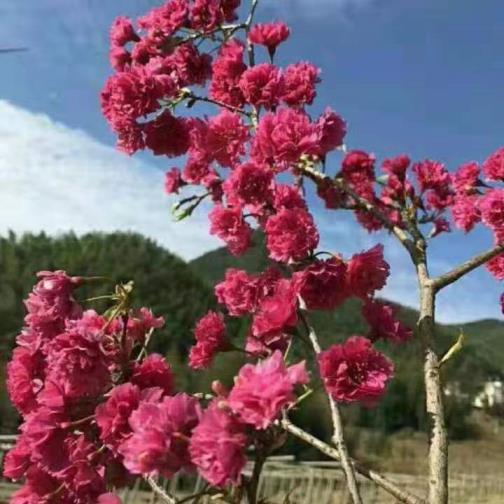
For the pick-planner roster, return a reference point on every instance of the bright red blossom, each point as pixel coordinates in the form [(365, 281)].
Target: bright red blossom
[(270, 35), (367, 272), (493, 167), (355, 371), (217, 446), (383, 324), (159, 443), (210, 334), (492, 209), (238, 292), (299, 85), (261, 391), (262, 85), (322, 285), (226, 138), (153, 371), (291, 235), (230, 226)]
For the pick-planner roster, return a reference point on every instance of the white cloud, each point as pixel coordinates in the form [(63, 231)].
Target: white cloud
[(56, 179)]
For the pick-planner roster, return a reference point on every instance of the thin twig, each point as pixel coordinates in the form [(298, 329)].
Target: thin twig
[(160, 491), (338, 437), (466, 267), (237, 110), (248, 24), (364, 204), (380, 480)]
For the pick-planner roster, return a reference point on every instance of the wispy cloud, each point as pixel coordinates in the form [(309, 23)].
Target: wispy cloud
[(56, 179)]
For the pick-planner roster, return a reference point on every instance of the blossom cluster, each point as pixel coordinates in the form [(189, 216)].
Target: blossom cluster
[(98, 412)]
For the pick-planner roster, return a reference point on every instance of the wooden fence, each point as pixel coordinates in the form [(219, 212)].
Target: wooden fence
[(311, 483)]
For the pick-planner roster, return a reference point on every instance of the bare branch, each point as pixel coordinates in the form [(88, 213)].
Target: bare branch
[(159, 491), (380, 480), (470, 265), (338, 434), (364, 204)]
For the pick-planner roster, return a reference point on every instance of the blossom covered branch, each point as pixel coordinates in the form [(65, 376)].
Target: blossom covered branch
[(98, 409)]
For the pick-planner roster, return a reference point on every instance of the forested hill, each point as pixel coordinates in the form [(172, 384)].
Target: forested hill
[(183, 292)]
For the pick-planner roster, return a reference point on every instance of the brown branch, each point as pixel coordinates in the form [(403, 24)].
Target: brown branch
[(192, 97), (159, 491), (364, 204), (338, 437), (380, 480), (466, 267)]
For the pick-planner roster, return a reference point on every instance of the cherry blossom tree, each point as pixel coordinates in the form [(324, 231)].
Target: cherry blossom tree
[(99, 410)]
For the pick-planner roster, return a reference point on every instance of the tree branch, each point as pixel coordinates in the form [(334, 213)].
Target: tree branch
[(364, 204), (338, 437), (470, 265), (380, 480), (165, 496)]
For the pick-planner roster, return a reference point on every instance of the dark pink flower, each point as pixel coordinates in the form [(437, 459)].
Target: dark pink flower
[(262, 85), (284, 136), (226, 73), (291, 235), (238, 292), (51, 302), (278, 311), (383, 325), (300, 80), (130, 95), (431, 175), (355, 371), (440, 225), (465, 212), (270, 35), (231, 227), (122, 32), (492, 209), (332, 131), (166, 19), (262, 391), (367, 272), (206, 15), (141, 322), (153, 371), (466, 179), (17, 460), (173, 181), (218, 445), (167, 135), (45, 431), (159, 443), (210, 334), (226, 138), (322, 285), (496, 267), (288, 197), (358, 170), (77, 361), (112, 416), (25, 375), (493, 167), (119, 58), (249, 184)]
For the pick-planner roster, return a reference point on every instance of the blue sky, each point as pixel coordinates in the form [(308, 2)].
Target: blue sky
[(417, 76)]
